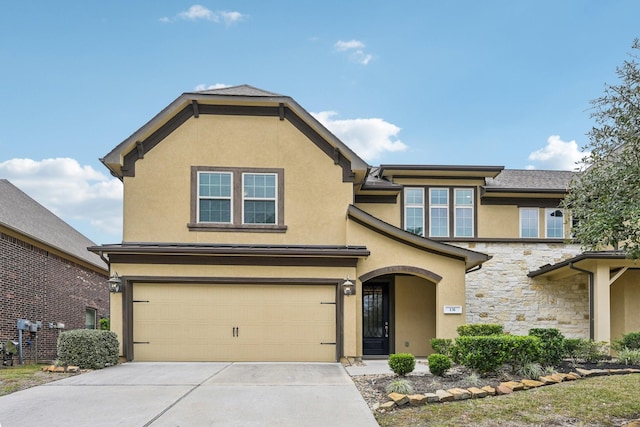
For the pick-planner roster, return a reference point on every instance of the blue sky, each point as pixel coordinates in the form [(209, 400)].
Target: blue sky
[(416, 82)]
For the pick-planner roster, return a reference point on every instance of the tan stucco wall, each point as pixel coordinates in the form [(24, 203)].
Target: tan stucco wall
[(498, 221), (157, 200), (387, 212), (415, 317), (625, 300)]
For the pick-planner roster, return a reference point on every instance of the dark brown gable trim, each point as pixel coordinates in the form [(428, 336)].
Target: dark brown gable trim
[(400, 269), (195, 109), (322, 144), (233, 260), (405, 242), (374, 198), (128, 169)]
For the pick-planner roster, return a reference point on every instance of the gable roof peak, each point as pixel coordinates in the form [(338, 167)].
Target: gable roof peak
[(240, 90)]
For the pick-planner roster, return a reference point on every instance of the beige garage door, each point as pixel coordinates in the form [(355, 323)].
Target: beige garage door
[(200, 322)]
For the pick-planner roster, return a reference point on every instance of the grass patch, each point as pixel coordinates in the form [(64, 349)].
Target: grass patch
[(602, 401), (14, 378)]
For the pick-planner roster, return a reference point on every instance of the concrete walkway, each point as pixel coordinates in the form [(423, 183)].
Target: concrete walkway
[(381, 366), (194, 394)]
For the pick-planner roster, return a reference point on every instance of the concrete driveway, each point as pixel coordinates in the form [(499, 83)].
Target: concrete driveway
[(194, 394)]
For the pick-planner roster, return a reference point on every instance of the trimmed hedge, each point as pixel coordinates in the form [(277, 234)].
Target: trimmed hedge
[(439, 364), (442, 345), (551, 345), (486, 354), (480, 329), (402, 363), (88, 348)]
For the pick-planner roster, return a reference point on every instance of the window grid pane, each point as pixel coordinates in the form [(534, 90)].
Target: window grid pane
[(414, 210), (555, 223), (260, 194), (529, 223), (439, 212), (214, 197), (463, 212)]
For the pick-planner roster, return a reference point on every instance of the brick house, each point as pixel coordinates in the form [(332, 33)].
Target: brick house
[(46, 275)]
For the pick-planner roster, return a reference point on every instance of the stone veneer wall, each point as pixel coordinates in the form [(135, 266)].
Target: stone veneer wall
[(502, 293)]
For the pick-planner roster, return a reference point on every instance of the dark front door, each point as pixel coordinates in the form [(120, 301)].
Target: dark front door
[(375, 319)]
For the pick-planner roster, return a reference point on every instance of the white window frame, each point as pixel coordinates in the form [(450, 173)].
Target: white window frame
[(547, 215), (537, 212), (469, 207), (414, 206), (230, 198), (272, 199), (440, 206)]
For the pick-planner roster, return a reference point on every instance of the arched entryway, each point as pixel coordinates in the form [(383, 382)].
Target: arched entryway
[(398, 311)]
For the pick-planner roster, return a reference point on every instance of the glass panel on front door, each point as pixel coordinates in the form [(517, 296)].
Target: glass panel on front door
[(375, 319)]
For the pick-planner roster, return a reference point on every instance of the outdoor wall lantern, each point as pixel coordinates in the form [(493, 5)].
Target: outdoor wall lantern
[(115, 283), (348, 287)]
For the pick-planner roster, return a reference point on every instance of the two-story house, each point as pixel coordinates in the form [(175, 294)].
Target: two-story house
[(253, 233)]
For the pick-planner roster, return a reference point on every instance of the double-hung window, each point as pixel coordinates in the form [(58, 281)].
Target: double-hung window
[(259, 198), (463, 212), (414, 210), (529, 222), (439, 212), (554, 220), (214, 197), (237, 199)]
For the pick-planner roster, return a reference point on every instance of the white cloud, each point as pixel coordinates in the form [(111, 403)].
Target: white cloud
[(77, 194), (557, 155), (202, 87), (341, 46), (200, 13), (355, 50), (369, 138)]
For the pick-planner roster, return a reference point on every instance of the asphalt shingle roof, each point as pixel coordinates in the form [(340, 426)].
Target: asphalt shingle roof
[(531, 179), (24, 215), (242, 90)]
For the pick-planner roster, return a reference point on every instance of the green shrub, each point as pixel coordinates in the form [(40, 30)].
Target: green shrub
[(88, 348), (401, 386), (439, 364), (551, 345), (486, 354), (442, 346), (402, 363), (629, 356), (629, 341), (480, 329), (589, 351), (105, 324)]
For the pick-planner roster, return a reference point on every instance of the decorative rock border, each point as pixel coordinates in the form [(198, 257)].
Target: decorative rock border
[(398, 400), (62, 369)]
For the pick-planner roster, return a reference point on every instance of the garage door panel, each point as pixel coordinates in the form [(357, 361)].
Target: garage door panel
[(234, 322)]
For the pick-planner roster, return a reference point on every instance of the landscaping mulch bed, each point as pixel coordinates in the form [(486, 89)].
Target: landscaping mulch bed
[(374, 387)]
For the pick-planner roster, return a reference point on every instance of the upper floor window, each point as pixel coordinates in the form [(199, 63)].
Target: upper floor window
[(214, 197), (414, 210), (259, 198), (439, 212), (554, 220), (463, 203), (450, 211), (235, 199), (529, 222)]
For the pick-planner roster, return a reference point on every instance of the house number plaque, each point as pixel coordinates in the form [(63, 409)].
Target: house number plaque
[(452, 309)]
